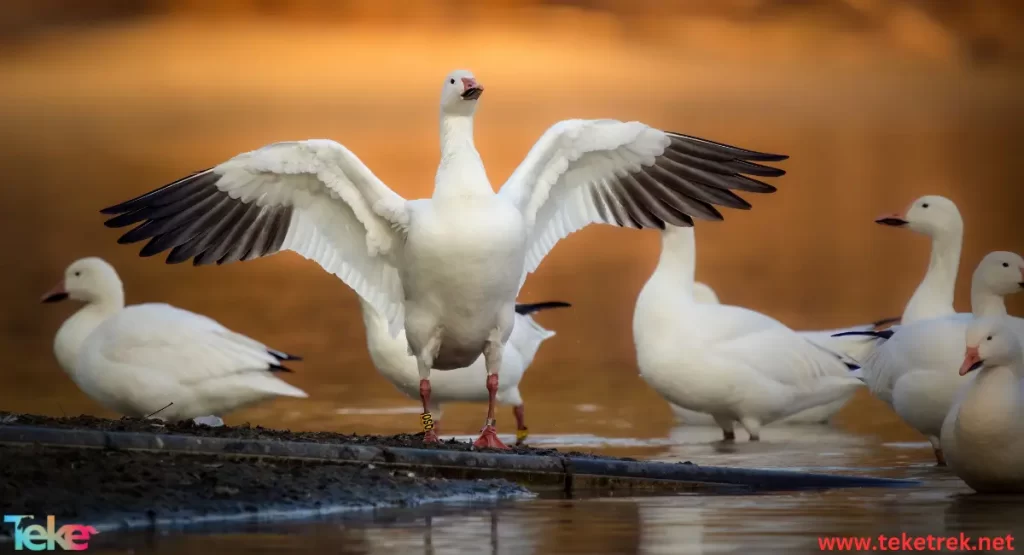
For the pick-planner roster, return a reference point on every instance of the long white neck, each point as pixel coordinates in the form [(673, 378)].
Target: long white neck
[(666, 302), (74, 331), (677, 264), (934, 297), (984, 302), (461, 171)]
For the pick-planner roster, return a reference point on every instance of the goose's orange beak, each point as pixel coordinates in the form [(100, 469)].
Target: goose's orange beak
[(972, 361), (471, 90)]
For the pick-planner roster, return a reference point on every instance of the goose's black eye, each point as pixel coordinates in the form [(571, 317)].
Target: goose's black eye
[(989, 338), (925, 205), (452, 81), (1006, 264), (78, 274)]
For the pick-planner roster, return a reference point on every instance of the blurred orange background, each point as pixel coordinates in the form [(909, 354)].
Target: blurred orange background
[(877, 102)]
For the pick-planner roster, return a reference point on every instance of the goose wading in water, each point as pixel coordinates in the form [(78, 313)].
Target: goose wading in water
[(850, 350), (983, 434), (854, 348), (156, 360), (391, 357), (730, 362), (913, 369), (938, 218), (446, 269)]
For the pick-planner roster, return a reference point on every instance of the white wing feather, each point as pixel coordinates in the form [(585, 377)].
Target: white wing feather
[(191, 347), (776, 351), (552, 184), (936, 344), (628, 174), (338, 212), (346, 219)]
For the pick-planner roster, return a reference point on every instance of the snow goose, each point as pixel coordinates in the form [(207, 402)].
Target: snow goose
[(446, 269), (850, 350), (983, 434), (727, 361), (391, 357), (155, 359), (938, 218), (913, 369)]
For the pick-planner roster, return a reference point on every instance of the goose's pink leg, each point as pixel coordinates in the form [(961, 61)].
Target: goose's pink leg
[(489, 435), (429, 429), (492, 358)]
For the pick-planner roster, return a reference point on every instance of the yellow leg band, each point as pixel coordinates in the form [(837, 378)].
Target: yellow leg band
[(521, 435), (428, 421)]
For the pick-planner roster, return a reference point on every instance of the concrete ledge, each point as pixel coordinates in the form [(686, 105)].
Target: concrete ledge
[(563, 472)]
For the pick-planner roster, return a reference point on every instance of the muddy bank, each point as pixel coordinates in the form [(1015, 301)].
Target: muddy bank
[(246, 431), (139, 489), (538, 469)]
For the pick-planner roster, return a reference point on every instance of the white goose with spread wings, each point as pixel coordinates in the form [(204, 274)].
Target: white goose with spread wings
[(446, 269)]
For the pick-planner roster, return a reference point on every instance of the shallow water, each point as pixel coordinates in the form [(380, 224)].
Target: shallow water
[(767, 523)]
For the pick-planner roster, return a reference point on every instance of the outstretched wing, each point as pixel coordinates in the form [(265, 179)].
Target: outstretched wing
[(312, 197), (627, 174)]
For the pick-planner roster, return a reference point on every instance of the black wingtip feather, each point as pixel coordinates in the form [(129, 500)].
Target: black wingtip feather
[(281, 368), (530, 308), (281, 355), (851, 366), (131, 204), (725, 150), (881, 334)]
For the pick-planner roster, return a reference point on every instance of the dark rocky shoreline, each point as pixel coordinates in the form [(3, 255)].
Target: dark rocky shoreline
[(129, 488), (246, 431), (133, 473), (102, 486)]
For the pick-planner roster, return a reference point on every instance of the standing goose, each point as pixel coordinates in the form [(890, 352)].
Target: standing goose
[(848, 349), (391, 357), (156, 359), (983, 434), (914, 367), (732, 363), (446, 269), (938, 218)]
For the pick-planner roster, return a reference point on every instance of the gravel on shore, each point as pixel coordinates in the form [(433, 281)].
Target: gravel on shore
[(98, 485)]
